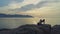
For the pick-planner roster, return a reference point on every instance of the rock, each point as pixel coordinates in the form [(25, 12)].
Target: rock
[(28, 29), (5, 32), (46, 28), (55, 29)]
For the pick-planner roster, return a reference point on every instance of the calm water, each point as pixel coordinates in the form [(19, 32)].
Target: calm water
[(15, 22)]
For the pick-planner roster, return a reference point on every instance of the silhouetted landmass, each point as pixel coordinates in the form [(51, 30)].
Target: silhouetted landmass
[(28, 29), (15, 15), (33, 29)]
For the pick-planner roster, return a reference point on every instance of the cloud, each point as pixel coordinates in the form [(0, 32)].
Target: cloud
[(19, 1), (36, 6), (6, 2), (31, 6), (26, 7), (16, 6)]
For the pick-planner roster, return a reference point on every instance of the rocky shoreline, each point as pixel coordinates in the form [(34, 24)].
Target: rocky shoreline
[(39, 28), (33, 29)]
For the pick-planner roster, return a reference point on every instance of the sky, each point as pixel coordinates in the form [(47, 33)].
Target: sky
[(37, 8)]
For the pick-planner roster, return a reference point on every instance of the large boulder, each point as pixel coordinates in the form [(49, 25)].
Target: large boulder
[(28, 29), (55, 29), (5, 31), (46, 28)]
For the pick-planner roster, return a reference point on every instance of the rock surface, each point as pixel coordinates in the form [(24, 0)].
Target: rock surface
[(28, 29), (33, 29)]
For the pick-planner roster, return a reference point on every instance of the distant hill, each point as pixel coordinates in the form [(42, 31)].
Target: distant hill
[(15, 15)]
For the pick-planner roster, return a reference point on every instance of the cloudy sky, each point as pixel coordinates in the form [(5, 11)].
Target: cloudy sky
[(39, 8)]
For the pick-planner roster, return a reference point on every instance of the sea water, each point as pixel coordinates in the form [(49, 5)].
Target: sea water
[(16, 22)]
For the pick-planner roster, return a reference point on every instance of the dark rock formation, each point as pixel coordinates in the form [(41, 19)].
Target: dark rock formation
[(28, 29), (5, 31), (46, 28), (55, 29)]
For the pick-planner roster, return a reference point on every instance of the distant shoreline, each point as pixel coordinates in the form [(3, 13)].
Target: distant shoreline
[(14, 16), (17, 17)]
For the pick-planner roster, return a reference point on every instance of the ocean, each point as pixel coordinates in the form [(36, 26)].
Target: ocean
[(16, 22)]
